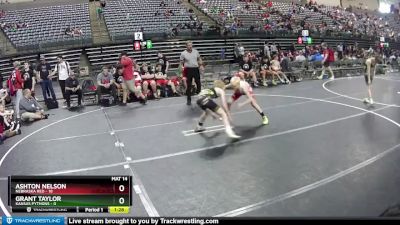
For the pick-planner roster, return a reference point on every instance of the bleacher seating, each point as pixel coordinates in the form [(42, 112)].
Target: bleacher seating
[(47, 25), (210, 50), (250, 16), (124, 17), (72, 56)]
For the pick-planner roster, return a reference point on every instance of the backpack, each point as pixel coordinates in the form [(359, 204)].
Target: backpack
[(331, 55), (51, 104), (88, 85)]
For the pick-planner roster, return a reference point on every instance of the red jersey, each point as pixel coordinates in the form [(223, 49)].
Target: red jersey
[(16, 79), (128, 68)]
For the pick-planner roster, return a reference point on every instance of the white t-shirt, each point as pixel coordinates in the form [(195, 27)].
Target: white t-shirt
[(64, 69)]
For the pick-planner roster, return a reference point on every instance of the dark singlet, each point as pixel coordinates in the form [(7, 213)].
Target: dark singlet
[(210, 93)]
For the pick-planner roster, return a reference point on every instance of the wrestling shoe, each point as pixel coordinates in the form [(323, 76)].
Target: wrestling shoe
[(332, 78), (232, 135), (199, 129), (265, 120), (265, 84), (371, 101)]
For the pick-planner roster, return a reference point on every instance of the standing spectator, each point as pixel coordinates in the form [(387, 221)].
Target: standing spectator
[(236, 53), (163, 61), (72, 87), (329, 57), (129, 79), (18, 85), (43, 71), (274, 49), (267, 51), (29, 78), (63, 69), (106, 84), (241, 51), (31, 109), (339, 49), (292, 48), (191, 62)]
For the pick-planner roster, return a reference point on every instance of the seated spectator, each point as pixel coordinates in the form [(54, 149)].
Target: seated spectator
[(300, 57), (162, 4), (265, 70), (103, 4), (30, 108), (162, 81), (246, 67), (276, 69), (72, 87), (68, 31), (6, 133), (106, 84), (119, 81), (148, 79), (4, 97), (6, 117), (77, 32)]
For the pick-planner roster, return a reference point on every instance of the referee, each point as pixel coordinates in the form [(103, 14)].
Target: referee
[(190, 60)]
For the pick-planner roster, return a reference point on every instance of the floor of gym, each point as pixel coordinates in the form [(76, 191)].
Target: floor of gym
[(324, 153)]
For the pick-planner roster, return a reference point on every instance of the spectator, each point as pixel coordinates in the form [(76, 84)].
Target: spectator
[(30, 108), (246, 67), (300, 57), (29, 78), (99, 12), (43, 71), (274, 49), (241, 51), (5, 131), (63, 69), (4, 97), (267, 51), (129, 78), (236, 53), (161, 59), (339, 49), (17, 84), (277, 71), (327, 60), (72, 87), (77, 32), (119, 81), (68, 31), (102, 4), (148, 80), (106, 84)]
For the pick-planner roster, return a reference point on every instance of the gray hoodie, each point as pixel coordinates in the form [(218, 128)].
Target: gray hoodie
[(29, 105)]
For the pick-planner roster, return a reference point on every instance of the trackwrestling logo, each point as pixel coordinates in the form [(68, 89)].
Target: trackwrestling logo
[(33, 220)]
